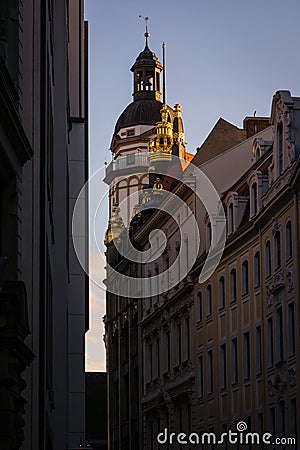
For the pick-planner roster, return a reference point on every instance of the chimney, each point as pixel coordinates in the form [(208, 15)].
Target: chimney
[(253, 125)]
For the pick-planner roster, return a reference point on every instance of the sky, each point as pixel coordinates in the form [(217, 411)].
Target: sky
[(223, 59)]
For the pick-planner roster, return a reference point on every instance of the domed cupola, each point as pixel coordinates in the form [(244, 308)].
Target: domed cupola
[(146, 105), (146, 69)]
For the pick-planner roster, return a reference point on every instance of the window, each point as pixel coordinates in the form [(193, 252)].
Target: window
[(268, 259), (130, 132), (291, 329), (130, 159), (288, 240), (210, 374), (208, 301), (257, 154), (230, 219), (200, 377), (179, 343), (281, 419), (187, 333), (222, 293), (246, 354), (293, 418), (208, 236), (258, 351), (186, 244), (234, 361), (178, 261), (151, 361), (280, 148), (270, 349), (233, 285), (169, 349), (277, 249), (256, 269), (199, 307), (279, 335), (158, 357), (223, 366), (245, 278), (260, 423), (272, 420), (254, 199)]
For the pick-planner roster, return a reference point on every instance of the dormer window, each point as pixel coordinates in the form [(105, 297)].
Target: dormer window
[(280, 148), (208, 235), (130, 132), (235, 209), (258, 185), (230, 218), (259, 147), (254, 199)]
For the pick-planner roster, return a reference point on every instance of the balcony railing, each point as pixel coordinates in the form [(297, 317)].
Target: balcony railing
[(127, 162)]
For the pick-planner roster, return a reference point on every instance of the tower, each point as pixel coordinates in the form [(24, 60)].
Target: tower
[(128, 171), (146, 135)]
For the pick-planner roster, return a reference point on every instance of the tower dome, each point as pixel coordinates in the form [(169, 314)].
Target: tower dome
[(141, 112)]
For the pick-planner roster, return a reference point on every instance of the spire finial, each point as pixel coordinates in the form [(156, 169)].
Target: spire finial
[(164, 72), (146, 34)]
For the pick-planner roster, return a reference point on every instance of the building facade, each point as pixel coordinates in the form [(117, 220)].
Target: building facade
[(202, 357), (44, 163)]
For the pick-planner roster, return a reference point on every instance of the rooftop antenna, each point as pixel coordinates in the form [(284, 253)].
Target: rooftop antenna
[(147, 34), (164, 72)]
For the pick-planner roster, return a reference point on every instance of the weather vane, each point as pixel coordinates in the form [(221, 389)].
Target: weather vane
[(147, 34)]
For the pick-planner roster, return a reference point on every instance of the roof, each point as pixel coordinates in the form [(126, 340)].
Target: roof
[(141, 112), (223, 136), (146, 58)]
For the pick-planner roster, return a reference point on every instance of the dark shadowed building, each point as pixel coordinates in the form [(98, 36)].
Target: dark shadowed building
[(43, 166), (96, 409)]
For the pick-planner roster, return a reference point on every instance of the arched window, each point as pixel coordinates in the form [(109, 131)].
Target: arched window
[(277, 248), (288, 240), (257, 154), (230, 219), (208, 236), (268, 260), (245, 278), (280, 148), (208, 301), (256, 269), (233, 285), (254, 199), (222, 292), (199, 306)]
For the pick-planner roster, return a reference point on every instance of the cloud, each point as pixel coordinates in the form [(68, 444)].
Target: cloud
[(93, 339)]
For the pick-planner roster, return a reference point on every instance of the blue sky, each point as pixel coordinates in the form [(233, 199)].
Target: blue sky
[(224, 59)]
